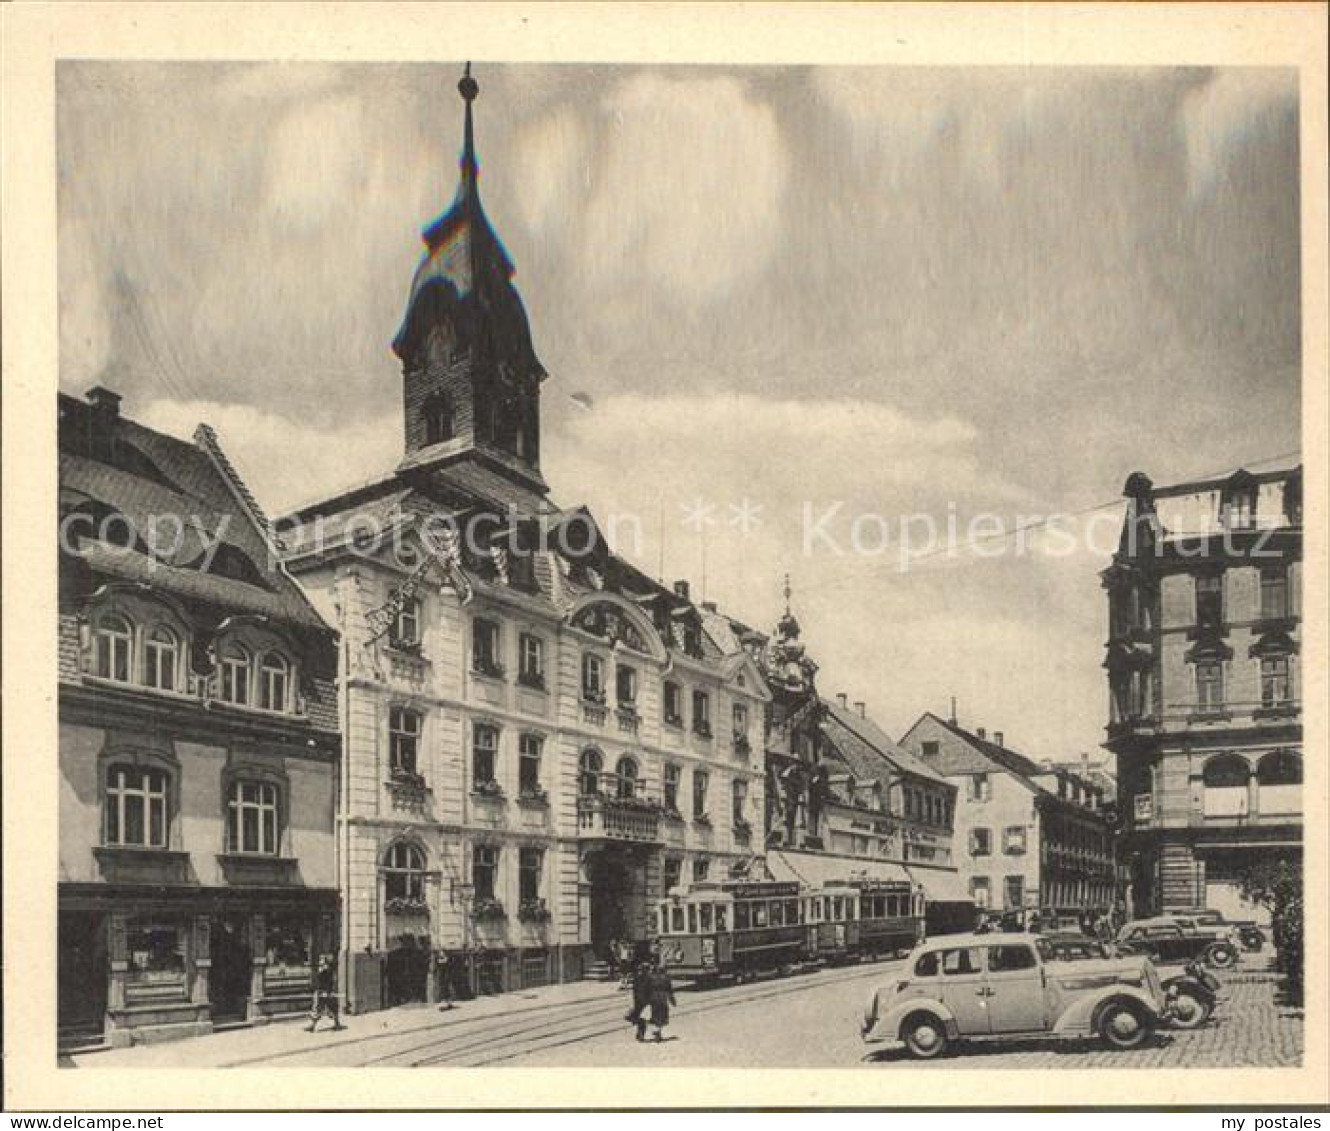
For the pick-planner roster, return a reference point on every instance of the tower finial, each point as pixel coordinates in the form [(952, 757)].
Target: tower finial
[(787, 594), (468, 88)]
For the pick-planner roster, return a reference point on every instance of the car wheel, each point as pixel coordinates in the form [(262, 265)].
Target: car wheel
[(924, 1037), (1221, 956), (1190, 1010), (1124, 1026)]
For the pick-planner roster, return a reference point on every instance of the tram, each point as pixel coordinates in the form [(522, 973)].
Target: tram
[(710, 931)]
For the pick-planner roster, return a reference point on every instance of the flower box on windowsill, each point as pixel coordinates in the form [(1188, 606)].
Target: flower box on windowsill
[(534, 911), (411, 648), (406, 906), (489, 790), (532, 682), (488, 910), (488, 671), (670, 813), (743, 829), (702, 730), (533, 795), (703, 820), (407, 779), (742, 745), (675, 721)]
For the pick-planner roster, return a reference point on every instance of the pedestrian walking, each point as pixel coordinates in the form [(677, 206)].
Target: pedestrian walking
[(443, 972), (661, 996), (325, 995), (641, 998)]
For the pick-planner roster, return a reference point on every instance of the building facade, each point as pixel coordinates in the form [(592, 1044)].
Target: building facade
[(541, 740), (1027, 838), (1203, 665), (198, 744)]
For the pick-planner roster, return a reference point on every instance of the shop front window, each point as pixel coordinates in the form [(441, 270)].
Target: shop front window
[(156, 953), (289, 946)]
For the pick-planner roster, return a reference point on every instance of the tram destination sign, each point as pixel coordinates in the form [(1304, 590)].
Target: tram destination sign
[(760, 890)]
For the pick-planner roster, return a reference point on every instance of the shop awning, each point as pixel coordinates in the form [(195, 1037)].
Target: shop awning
[(817, 868), (941, 886)]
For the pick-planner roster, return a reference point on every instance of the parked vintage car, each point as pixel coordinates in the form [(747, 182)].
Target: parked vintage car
[(1248, 934), (983, 987), (1171, 940), (1077, 947)]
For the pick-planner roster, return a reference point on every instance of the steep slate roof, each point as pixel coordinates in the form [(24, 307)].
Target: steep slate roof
[(112, 465), (1006, 759), (867, 749)]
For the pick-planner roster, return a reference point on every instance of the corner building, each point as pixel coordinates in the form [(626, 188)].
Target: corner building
[(540, 739), (1204, 676)]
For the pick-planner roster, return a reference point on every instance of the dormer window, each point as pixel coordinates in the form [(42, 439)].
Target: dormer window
[(161, 655), (235, 674), (114, 648), (274, 682), (1237, 503)]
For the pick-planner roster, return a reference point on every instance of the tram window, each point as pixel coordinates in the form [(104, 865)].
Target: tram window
[(720, 918), (676, 922), (692, 918), (850, 910), (663, 919), (815, 909), (759, 914), (741, 916), (704, 918), (880, 906), (803, 911), (837, 908), (777, 913), (791, 911)]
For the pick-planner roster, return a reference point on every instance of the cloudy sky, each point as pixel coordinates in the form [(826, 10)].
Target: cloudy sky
[(907, 291)]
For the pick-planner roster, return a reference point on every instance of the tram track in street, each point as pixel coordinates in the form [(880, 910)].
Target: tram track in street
[(529, 1038)]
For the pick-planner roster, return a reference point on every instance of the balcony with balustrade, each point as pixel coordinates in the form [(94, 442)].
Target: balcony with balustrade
[(617, 809)]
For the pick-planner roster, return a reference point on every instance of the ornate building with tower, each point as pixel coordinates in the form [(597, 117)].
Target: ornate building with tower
[(1204, 678), (541, 740)]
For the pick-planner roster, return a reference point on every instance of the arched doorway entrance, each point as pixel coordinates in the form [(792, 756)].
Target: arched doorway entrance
[(617, 882)]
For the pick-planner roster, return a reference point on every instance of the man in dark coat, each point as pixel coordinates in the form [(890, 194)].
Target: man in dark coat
[(641, 998), (325, 995), (661, 997)]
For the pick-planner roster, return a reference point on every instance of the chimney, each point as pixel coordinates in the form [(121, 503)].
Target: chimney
[(842, 699), (710, 606), (997, 737), (681, 589), (859, 706), (105, 401), (952, 720), (981, 733)]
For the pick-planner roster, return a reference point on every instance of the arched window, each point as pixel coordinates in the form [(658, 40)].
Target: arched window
[(1279, 776), (113, 655), (161, 654), (404, 873), (136, 807), (589, 766), (274, 682), (252, 818), (236, 674), (1225, 777), (625, 778)]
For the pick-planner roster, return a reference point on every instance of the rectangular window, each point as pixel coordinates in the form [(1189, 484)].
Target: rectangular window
[(1276, 687), (672, 775), (485, 657), (252, 818), (403, 739), (979, 891), (981, 789), (1210, 600), (1013, 839), (702, 713), (700, 780), (1013, 891), (485, 749), (593, 678), (740, 723), (740, 801), (981, 842), (1274, 594), (673, 873), (701, 869), (929, 749), (405, 631), (531, 661), (1209, 685), (484, 870), (528, 763), (135, 807), (155, 953), (673, 704), (530, 862), (625, 685)]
